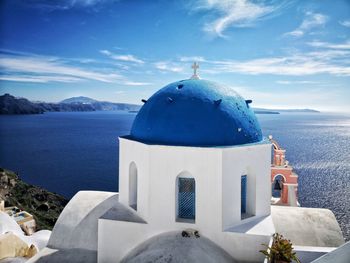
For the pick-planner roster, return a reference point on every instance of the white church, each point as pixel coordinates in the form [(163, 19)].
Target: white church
[(194, 186)]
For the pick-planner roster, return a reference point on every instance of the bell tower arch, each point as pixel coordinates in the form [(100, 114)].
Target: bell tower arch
[(284, 182)]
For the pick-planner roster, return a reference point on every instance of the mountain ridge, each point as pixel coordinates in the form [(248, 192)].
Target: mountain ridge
[(79, 99), (13, 105)]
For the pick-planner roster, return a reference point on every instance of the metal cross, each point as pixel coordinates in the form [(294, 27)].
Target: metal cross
[(195, 66)]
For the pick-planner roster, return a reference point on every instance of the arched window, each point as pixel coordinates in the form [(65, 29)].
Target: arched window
[(243, 194), (186, 197), (248, 196), (133, 185)]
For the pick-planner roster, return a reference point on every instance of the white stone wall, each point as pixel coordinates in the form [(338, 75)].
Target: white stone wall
[(158, 167), (253, 161), (217, 172), (138, 153)]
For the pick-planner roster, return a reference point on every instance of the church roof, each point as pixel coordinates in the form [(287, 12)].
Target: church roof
[(196, 112), (173, 247)]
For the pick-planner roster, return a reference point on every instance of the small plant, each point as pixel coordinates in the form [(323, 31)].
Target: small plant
[(280, 251)]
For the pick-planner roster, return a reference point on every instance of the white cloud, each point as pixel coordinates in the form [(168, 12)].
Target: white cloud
[(124, 58), (311, 20), (292, 66), (20, 67), (39, 78), (134, 83), (87, 2), (333, 62), (320, 44), (66, 4), (47, 66), (106, 52), (128, 58), (327, 58), (192, 59), (293, 82), (239, 13), (345, 23), (169, 66)]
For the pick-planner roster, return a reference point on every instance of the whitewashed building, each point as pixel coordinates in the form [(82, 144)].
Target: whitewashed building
[(194, 186)]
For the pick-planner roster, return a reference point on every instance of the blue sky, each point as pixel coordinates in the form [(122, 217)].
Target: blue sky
[(281, 54)]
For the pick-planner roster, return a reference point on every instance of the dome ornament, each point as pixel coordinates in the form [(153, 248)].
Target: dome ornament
[(195, 66)]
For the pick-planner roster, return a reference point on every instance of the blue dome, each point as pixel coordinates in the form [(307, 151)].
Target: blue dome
[(196, 112)]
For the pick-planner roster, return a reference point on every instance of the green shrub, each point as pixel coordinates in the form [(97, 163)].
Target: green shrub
[(281, 250)]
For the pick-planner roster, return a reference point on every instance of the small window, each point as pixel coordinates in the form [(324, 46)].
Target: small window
[(243, 195), (186, 198), (133, 186)]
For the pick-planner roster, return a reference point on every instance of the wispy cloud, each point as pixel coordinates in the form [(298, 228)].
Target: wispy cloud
[(135, 83), (311, 21), (192, 59), (297, 65), (39, 78), (49, 66), (128, 58), (320, 44), (65, 4), (169, 66), (124, 58), (325, 58), (233, 13), (23, 67), (333, 62), (345, 23), (293, 82)]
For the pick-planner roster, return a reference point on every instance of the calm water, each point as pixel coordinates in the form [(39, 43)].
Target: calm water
[(66, 152)]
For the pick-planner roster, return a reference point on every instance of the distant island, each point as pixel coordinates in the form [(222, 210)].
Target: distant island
[(278, 111), (13, 105)]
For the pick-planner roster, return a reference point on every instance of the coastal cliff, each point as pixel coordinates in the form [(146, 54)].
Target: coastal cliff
[(12, 105), (42, 204)]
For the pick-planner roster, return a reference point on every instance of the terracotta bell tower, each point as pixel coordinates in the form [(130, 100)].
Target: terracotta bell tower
[(284, 181)]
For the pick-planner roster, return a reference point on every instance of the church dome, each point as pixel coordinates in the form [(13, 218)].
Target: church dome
[(173, 247), (196, 112)]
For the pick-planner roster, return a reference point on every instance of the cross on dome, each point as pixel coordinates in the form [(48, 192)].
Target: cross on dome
[(195, 66)]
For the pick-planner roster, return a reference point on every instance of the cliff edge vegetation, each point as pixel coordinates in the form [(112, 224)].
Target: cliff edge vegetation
[(42, 204)]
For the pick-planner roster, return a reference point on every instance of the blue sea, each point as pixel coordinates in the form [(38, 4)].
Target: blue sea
[(68, 152)]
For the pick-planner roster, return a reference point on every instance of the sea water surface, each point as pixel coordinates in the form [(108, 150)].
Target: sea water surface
[(68, 152)]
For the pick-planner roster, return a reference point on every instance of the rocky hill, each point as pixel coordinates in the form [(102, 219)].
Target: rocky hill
[(80, 99), (42, 204), (100, 105), (12, 105)]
